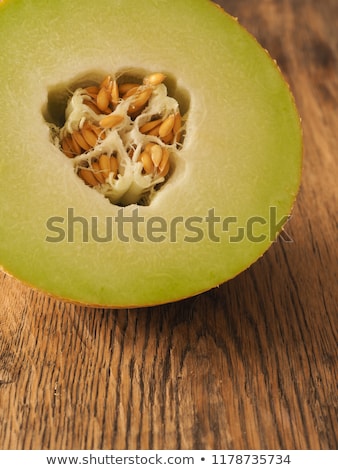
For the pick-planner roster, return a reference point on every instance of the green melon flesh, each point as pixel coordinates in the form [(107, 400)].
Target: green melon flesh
[(241, 156)]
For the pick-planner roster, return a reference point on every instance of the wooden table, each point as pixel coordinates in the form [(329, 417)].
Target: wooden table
[(249, 365)]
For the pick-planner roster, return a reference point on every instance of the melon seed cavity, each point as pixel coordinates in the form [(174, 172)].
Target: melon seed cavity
[(122, 137)]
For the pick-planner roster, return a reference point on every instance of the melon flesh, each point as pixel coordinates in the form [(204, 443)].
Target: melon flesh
[(241, 157)]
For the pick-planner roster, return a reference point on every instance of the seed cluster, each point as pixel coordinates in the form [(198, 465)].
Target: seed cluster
[(116, 133)]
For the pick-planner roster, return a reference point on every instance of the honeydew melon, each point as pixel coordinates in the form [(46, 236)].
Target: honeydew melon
[(232, 181)]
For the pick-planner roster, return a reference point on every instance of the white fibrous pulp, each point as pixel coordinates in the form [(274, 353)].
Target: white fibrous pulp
[(122, 138)]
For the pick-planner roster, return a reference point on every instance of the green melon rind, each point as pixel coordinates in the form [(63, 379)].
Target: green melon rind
[(242, 153)]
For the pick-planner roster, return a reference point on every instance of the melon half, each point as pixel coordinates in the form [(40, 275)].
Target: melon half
[(234, 171)]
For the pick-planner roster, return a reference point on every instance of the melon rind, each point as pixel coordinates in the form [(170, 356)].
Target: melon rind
[(241, 154)]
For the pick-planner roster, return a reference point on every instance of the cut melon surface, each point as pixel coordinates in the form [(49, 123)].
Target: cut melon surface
[(231, 186)]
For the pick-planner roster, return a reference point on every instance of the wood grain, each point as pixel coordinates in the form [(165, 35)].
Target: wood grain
[(250, 365)]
